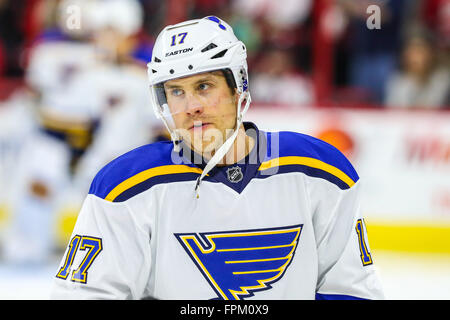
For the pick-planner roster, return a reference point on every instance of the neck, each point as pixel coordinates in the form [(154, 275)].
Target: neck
[(238, 151)]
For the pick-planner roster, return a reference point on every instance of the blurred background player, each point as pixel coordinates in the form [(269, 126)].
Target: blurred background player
[(116, 84), (64, 124), (90, 101)]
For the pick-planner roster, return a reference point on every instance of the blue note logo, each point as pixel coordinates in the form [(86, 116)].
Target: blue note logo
[(238, 263)]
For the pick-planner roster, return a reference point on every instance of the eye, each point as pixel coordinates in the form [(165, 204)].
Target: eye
[(204, 86), (176, 92)]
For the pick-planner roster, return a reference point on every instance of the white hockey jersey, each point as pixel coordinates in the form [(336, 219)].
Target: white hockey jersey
[(283, 224)]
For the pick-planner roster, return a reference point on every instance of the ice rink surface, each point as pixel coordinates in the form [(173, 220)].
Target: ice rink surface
[(404, 276), (414, 276)]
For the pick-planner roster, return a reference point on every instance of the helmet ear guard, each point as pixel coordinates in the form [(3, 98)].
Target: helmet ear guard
[(160, 94), (228, 74)]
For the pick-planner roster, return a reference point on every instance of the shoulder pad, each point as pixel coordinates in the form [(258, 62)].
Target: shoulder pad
[(138, 170), (302, 153)]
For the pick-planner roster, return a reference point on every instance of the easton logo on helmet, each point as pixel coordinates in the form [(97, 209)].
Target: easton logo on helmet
[(173, 53)]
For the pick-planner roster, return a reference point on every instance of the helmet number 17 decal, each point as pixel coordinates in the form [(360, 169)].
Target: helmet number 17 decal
[(180, 41)]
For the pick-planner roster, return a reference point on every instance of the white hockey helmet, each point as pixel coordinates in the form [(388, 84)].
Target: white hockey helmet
[(193, 47)]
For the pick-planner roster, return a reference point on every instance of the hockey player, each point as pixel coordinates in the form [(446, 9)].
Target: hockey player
[(85, 119), (63, 130), (224, 210)]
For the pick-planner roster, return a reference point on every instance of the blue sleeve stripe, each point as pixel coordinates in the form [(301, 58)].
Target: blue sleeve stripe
[(320, 296)]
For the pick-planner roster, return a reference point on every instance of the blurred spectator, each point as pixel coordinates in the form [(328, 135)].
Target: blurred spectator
[(285, 15), (276, 79), (154, 16), (372, 52), (249, 33), (2, 58), (272, 23), (12, 35), (421, 81), (273, 34), (436, 16), (203, 8)]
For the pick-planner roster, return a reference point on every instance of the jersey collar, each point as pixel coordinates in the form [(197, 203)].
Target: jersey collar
[(238, 175)]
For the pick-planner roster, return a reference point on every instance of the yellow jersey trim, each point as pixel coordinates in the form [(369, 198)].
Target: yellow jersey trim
[(147, 174), (310, 162)]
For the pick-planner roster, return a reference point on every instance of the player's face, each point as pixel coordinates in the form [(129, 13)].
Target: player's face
[(203, 108)]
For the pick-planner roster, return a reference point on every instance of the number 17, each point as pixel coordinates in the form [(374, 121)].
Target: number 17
[(93, 245), (183, 35), (366, 258)]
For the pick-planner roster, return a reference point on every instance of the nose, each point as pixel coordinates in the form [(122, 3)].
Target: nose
[(193, 105)]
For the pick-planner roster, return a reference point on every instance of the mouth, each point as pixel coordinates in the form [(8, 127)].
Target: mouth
[(200, 126)]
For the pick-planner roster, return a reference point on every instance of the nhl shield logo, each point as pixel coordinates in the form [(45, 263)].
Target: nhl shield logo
[(234, 174)]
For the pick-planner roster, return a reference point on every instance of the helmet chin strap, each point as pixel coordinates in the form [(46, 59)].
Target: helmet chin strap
[(222, 151)]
